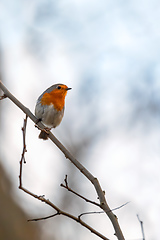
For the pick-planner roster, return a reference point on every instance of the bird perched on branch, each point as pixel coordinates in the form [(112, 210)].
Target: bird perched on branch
[(50, 107)]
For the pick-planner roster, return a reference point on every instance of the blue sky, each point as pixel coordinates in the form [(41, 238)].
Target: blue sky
[(108, 52)]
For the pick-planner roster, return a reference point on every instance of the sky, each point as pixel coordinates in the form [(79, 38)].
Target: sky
[(108, 52)]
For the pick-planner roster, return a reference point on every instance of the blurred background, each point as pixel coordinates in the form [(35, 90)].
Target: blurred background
[(108, 52)]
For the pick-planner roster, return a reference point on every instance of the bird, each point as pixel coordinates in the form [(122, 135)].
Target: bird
[(50, 107)]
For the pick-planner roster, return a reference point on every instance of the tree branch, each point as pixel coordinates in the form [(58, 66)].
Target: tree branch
[(142, 229), (23, 152), (86, 199), (60, 212), (77, 194), (43, 218), (89, 176)]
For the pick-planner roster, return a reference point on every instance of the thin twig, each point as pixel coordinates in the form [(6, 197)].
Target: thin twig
[(103, 211), (89, 213), (24, 150), (142, 229), (66, 181), (43, 218), (114, 209), (77, 194)]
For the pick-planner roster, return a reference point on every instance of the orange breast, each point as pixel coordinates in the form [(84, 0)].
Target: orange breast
[(57, 98)]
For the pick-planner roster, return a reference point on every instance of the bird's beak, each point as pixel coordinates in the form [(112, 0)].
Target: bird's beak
[(68, 88)]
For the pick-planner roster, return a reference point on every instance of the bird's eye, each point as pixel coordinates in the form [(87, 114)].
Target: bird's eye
[(59, 87)]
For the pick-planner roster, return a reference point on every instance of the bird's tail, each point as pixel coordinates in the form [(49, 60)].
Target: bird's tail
[(43, 135)]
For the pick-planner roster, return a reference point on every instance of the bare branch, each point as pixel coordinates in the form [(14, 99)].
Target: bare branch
[(88, 213), (77, 194), (114, 209), (65, 180), (59, 212), (86, 199), (43, 218), (142, 229), (102, 211), (24, 150), (86, 173)]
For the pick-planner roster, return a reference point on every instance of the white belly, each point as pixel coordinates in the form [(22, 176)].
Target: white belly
[(49, 116)]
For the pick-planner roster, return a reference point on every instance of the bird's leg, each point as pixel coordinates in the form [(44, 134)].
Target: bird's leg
[(38, 120), (46, 129)]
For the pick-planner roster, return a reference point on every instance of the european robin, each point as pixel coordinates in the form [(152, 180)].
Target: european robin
[(50, 107)]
